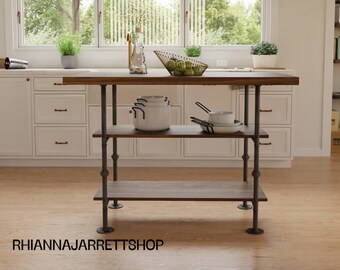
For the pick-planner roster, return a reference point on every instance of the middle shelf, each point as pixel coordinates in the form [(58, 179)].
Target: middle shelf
[(176, 131)]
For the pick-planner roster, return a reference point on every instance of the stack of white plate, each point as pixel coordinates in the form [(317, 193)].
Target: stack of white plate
[(223, 128)]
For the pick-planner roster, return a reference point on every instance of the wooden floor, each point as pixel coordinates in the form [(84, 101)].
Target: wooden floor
[(301, 220)]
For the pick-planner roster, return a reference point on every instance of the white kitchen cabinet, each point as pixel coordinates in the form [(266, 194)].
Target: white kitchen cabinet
[(15, 117), (218, 99), (127, 94), (161, 148), (275, 109), (276, 106), (277, 146), (60, 108), (124, 116), (60, 141), (59, 119), (54, 84)]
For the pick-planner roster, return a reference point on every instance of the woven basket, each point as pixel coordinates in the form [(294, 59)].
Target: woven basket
[(197, 68)]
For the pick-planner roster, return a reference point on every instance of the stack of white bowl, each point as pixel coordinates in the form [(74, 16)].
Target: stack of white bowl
[(223, 121), (152, 113)]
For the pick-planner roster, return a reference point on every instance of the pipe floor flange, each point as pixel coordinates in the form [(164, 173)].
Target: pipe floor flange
[(255, 231), (103, 230), (115, 206), (244, 206)]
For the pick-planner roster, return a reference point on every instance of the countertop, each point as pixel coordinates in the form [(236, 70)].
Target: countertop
[(69, 72)]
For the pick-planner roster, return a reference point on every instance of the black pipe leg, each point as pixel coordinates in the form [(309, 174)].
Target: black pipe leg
[(256, 173), (244, 205), (115, 157), (104, 173), (245, 157)]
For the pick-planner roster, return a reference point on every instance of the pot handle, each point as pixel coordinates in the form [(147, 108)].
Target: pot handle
[(139, 103), (204, 108), (205, 123), (210, 129), (141, 99), (135, 112)]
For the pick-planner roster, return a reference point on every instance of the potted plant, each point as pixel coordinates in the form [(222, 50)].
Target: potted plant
[(264, 55), (193, 51), (69, 46)]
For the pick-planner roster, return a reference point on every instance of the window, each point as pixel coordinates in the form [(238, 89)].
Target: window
[(104, 23), (45, 20)]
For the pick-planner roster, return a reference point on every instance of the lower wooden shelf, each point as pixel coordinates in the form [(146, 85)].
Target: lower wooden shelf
[(180, 191)]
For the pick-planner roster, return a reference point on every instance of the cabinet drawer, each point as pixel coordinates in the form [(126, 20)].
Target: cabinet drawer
[(278, 145), (59, 109), (60, 141), (48, 84), (275, 109)]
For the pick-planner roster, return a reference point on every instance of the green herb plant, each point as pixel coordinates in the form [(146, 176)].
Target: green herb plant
[(193, 51), (264, 48), (69, 44)]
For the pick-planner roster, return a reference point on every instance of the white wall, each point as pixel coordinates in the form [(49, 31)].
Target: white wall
[(301, 38), (299, 31), (2, 29)]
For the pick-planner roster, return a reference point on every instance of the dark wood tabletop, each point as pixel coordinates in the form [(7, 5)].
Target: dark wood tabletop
[(162, 77)]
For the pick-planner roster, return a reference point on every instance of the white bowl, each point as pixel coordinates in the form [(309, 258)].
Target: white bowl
[(236, 123), (221, 117)]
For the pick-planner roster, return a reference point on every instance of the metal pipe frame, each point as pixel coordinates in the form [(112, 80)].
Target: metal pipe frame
[(104, 173), (256, 172), (115, 156), (245, 157)]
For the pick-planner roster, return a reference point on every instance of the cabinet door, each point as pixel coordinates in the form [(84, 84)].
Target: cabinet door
[(216, 98), (278, 145), (125, 146), (60, 141), (275, 109), (161, 147), (59, 109), (15, 117)]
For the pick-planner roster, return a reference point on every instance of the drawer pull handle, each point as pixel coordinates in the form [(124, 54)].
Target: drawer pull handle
[(60, 110), (56, 83), (269, 143), (61, 142), (270, 110)]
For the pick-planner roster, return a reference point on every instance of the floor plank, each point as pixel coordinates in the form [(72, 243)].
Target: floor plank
[(301, 220)]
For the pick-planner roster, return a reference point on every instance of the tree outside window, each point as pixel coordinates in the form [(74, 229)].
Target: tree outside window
[(210, 22)]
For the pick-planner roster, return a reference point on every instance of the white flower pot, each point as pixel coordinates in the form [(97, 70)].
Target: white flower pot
[(69, 61), (264, 61)]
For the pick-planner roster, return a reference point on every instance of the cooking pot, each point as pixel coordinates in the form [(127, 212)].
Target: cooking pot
[(154, 98), (151, 118), (153, 103)]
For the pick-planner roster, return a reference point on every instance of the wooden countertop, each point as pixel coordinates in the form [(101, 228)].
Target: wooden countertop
[(162, 77)]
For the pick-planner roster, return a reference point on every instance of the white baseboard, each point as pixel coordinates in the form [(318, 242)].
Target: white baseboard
[(311, 152)]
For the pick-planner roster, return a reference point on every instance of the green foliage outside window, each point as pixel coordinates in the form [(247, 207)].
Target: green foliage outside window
[(211, 22)]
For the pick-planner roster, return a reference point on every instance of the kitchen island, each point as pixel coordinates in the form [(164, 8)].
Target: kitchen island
[(184, 190)]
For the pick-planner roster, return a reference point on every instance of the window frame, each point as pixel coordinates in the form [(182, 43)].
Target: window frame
[(16, 48)]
